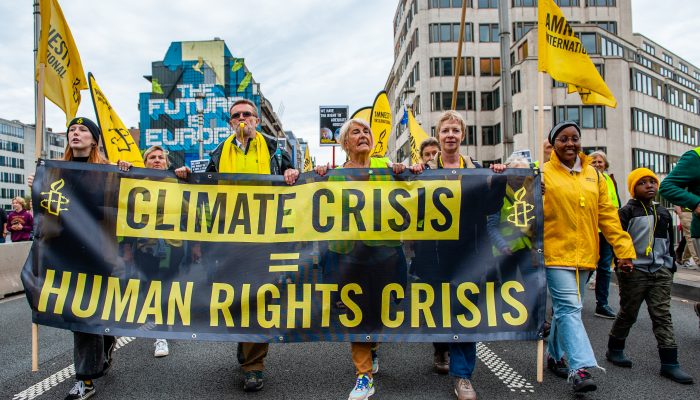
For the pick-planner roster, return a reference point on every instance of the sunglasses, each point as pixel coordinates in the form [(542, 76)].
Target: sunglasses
[(245, 114)]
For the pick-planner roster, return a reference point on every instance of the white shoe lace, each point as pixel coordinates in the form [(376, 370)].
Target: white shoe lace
[(78, 388)]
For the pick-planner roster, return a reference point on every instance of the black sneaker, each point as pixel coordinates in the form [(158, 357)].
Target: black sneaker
[(253, 381), (81, 391), (583, 381), (604, 312), (560, 368)]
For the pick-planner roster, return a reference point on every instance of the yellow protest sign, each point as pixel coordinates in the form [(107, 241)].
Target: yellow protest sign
[(380, 122), (64, 77), (416, 136), (117, 140)]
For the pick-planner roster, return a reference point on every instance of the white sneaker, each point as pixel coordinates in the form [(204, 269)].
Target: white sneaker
[(161, 348)]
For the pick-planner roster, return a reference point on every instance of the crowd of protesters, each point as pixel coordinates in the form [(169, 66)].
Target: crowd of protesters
[(585, 230)]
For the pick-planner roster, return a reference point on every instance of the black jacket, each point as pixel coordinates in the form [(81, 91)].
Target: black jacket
[(279, 162)]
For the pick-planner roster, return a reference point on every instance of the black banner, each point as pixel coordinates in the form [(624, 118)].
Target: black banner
[(357, 255)]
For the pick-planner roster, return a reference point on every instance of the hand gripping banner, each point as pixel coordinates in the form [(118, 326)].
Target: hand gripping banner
[(357, 255)]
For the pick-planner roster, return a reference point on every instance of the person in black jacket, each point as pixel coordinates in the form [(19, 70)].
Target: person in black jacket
[(651, 228), (247, 151)]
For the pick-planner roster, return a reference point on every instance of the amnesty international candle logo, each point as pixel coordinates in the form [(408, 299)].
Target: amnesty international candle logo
[(53, 200), (520, 216)]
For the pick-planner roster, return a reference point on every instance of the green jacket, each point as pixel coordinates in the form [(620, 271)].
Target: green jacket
[(682, 186)]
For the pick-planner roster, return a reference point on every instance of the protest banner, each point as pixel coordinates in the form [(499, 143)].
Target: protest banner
[(241, 257)]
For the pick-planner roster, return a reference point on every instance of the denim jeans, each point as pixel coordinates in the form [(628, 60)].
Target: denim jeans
[(462, 359), (603, 273), (568, 335)]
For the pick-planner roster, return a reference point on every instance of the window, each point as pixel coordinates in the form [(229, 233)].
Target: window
[(448, 4), (517, 122), (441, 101), (12, 130), (11, 162), (600, 3), (490, 100), (647, 122), (12, 146), (610, 26), (668, 59), (470, 137), (610, 47), (683, 68), (488, 33), (681, 99), (488, 3), (567, 3), (11, 178), (449, 32), (666, 72), (644, 61), (444, 66), (524, 3), (656, 162), (515, 81), (682, 133), (588, 117), (589, 41), (491, 135), (490, 66), (521, 28), (649, 48), (644, 83), (522, 52)]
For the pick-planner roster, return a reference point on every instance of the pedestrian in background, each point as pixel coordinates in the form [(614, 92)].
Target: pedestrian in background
[(576, 205), (603, 270), (651, 227), (20, 221), (3, 227)]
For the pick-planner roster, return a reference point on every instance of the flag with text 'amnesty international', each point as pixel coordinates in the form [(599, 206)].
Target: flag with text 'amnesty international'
[(561, 54), (416, 136), (116, 138), (380, 122), (64, 77)]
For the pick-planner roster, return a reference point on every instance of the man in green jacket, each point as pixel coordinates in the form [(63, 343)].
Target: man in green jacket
[(682, 187)]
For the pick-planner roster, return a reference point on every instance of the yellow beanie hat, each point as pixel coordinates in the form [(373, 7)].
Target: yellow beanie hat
[(638, 174)]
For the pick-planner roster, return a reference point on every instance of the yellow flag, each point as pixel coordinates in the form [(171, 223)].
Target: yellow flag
[(561, 54), (119, 145), (380, 122), (363, 113), (308, 164), (64, 77), (416, 136)]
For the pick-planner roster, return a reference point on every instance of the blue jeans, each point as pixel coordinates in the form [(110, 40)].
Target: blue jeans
[(462, 359), (603, 273), (568, 335)]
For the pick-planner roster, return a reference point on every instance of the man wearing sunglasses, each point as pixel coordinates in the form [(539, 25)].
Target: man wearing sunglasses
[(247, 151)]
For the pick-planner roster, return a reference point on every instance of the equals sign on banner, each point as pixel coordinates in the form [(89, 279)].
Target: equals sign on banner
[(283, 262)]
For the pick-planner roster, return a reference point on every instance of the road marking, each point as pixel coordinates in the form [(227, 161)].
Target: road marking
[(54, 380), (513, 380)]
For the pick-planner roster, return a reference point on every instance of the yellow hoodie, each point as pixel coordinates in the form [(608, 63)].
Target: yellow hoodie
[(575, 206)]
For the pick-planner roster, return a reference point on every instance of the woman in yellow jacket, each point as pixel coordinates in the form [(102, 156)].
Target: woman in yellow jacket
[(576, 205)]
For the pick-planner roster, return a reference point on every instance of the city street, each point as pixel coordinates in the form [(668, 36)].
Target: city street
[(205, 370)]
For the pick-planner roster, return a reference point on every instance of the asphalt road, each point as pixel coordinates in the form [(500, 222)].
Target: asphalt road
[(207, 370)]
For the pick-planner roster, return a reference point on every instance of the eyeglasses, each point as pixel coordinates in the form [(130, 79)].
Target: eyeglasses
[(564, 140), (245, 114)]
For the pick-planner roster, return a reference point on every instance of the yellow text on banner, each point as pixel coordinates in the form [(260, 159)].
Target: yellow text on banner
[(367, 210), (119, 145), (64, 76)]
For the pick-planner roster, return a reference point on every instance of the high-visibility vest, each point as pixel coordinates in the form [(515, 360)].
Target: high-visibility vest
[(518, 238), (611, 190)]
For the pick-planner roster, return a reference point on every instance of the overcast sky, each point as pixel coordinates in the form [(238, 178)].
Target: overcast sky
[(304, 53)]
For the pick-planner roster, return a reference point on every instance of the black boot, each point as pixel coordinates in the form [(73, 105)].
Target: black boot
[(616, 352), (670, 367)]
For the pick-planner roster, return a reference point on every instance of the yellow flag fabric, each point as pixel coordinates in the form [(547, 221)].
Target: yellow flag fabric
[(416, 136), (561, 54), (363, 113), (308, 164), (380, 122), (64, 77), (117, 140)]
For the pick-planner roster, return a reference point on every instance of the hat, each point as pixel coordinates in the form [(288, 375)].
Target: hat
[(92, 127), (560, 127), (638, 174)]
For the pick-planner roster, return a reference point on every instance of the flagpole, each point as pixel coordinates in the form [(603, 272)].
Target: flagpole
[(38, 143), (459, 57), (540, 151)]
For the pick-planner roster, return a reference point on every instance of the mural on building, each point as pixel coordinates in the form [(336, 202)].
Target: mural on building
[(193, 78)]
